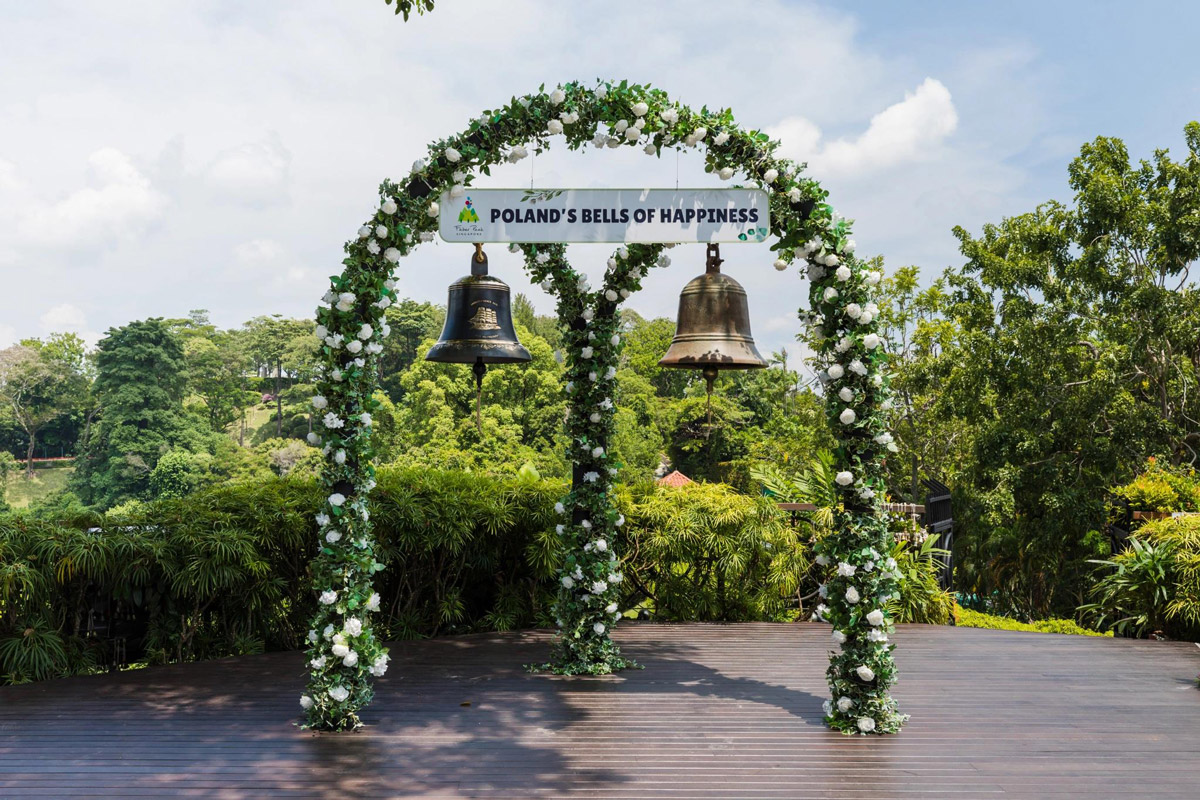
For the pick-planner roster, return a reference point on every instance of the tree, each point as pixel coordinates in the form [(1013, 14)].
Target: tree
[(216, 373), (39, 382), (140, 383), (1067, 348), (272, 343), (411, 323)]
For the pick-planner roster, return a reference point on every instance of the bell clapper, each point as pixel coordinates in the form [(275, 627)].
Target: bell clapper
[(478, 369)]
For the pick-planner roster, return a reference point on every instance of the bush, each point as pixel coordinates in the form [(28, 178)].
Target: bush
[(225, 570), (1153, 586), (977, 619), (1162, 489)]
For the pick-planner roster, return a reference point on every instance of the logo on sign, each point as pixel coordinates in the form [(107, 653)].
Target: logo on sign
[(468, 213), (469, 226)]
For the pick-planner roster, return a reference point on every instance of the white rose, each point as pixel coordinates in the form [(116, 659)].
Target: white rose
[(328, 597), (699, 134), (849, 247), (373, 602), (875, 617), (865, 673), (835, 371), (650, 149), (336, 499), (452, 155), (557, 97), (458, 190), (823, 560), (726, 173), (313, 438), (839, 637), (388, 207), (392, 254), (632, 134), (354, 346), (844, 704), (640, 109), (780, 264), (333, 537), (830, 293), (854, 311), (432, 210), (866, 724), (306, 702), (844, 478), (846, 570), (598, 627), (345, 301), (554, 126), (871, 341), (770, 175), (721, 138), (559, 508), (339, 693), (846, 394), (319, 402), (597, 452), (843, 273), (670, 116), (857, 367), (364, 231), (852, 595), (418, 165)]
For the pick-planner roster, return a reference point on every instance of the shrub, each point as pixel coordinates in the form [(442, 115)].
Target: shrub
[(977, 619)]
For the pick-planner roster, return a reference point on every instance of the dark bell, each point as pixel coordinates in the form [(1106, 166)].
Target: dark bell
[(479, 329), (479, 326), (712, 331)]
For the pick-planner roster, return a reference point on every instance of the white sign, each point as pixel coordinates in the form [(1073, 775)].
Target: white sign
[(605, 215)]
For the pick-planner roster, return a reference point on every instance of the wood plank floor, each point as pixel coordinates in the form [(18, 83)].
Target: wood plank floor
[(719, 711)]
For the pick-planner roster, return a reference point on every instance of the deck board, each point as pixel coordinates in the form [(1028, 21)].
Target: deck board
[(718, 711)]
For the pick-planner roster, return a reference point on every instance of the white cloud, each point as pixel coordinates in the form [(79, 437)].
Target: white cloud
[(255, 173), (257, 251), (117, 207), (910, 130), (63, 317)]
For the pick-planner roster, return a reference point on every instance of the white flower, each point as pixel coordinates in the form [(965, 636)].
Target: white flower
[(610, 296), (871, 341), (844, 478), (844, 704), (599, 587), (650, 149), (847, 416), (849, 247), (557, 97), (392, 255), (373, 602), (857, 367), (823, 591), (597, 452), (601, 545), (306, 702), (632, 134), (588, 313), (865, 318), (594, 416), (554, 126), (726, 173), (373, 247), (699, 134), (354, 346), (338, 693), (598, 627), (874, 278), (388, 207), (830, 260), (432, 210), (332, 420), (366, 332), (795, 194), (827, 707), (364, 419), (846, 394), (312, 636), (884, 438), (866, 724), (843, 273), (721, 138), (615, 577), (780, 264), (875, 617), (823, 560), (846, 570), (350, 659), (379, 667), (852, 595), (586, 524), (542, 258), (770, 175), (854, 311), (418, 165), (839, 637), (333, 537), (336, 499), (328, 597), (876, 635), (452, 155), (517, 153), (336, 374), (322, 519), (354, 626), (670, 116), (381, 231), (319, 402), (328, 631), (835, 371), (559, 508), (830, 293), (364, 231), (568, 582), (587, 352), (458, 190), (345, 301), (591, 477), (866, 673)]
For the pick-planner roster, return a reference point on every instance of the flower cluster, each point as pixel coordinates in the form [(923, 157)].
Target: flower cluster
[(343, 654)]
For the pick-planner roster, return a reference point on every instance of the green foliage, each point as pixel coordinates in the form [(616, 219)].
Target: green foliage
[(1162, 488), (225, 570), (977, 619), (406, 7), (1153, 586), (922, 599)]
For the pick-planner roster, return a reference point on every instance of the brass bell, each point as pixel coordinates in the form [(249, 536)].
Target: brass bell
[(479, 328), (712, 330)]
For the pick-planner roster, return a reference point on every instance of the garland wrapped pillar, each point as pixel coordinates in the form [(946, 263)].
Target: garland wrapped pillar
[(343, 652)]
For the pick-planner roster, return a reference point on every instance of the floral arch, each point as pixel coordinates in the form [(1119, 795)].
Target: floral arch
[(343, 652)]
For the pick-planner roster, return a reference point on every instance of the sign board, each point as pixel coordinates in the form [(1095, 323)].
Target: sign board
[(605, 215)]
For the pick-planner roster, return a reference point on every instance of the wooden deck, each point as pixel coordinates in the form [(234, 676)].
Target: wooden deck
[(719, 711)]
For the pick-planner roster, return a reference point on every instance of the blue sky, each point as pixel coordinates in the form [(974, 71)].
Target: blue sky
[(162, 156)]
